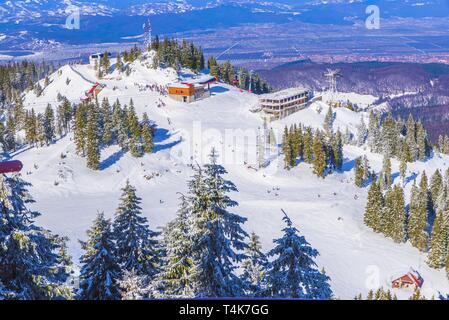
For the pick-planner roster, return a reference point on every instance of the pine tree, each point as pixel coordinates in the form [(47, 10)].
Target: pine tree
[(403, 168), (120, 126), (290, 159), (132, 286), (338, 151), (293, 272), (134, 147), (80, 130), (106, 63), (119, 63), (417, 295), (436, 186), (178, 263), (374, 140), (374, 208), (319, 162), (410, 138), (31, 127), (308, 144), (31, 267), (100, 271), (92, 141), (359, 172), (147, 135), (329, 121), (389, 136), (362, 133), (136, 247), (439, 242), (418, 216), (385, 176), (217, 237), (49, 125), (254, 267), (422, 143), (108, 127), (394, 218)]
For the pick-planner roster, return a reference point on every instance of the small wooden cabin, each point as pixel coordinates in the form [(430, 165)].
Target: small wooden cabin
[(410, 280)]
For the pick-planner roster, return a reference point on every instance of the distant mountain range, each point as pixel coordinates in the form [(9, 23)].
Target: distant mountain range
[(36, 21)]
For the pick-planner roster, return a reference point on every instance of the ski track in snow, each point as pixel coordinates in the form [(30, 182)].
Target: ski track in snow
[(354, 257)]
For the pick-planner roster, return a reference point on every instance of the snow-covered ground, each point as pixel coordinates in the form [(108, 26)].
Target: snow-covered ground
[(328, 212)]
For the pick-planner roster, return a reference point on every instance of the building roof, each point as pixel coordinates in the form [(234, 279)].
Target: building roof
[(182, 85), (284, 93), (194, 82), (412, 277)]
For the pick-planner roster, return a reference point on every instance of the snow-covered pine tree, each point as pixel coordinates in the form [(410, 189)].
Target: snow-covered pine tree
[(177, 262), (362, 132), (442, 202), (338, 150), (422, 142), (30, 127), (31, 267), (389, 136), (135, 243), (418, 215), (92, 141), (217, 235), (319, 162), (254, 268), (374, 207), (147, 135), (119, 63), (359, 173), (438, 251), (394, 218), (367, 174), (100, 271), (288, 150), (293, 273), (106, 115), (436, 186), (410, 138), (298, 142), (385, 180), (132, 286), (308, 145), (105, 63), (80, 130), (134, 131), (374, 141), (329, 121), (49, 125)]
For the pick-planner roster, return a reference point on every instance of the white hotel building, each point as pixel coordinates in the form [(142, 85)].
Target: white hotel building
[(278, 105)]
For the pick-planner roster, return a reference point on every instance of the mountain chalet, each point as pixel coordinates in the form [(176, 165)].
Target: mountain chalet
[(191, 91)]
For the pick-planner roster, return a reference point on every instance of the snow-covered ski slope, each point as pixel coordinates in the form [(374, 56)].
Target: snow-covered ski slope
[(328, 212)]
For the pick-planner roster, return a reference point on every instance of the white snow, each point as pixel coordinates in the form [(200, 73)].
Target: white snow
[(354, 257)]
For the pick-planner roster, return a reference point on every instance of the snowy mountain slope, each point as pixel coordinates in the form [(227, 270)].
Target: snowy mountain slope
[(328, 212)]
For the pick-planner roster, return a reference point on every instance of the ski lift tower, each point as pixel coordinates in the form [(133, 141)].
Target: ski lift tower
[(147, 33), (332, 75)]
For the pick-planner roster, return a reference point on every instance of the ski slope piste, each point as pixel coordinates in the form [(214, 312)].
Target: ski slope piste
[(328, 212)]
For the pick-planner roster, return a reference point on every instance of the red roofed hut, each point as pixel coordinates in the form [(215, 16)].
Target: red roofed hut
[(410, 280)]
